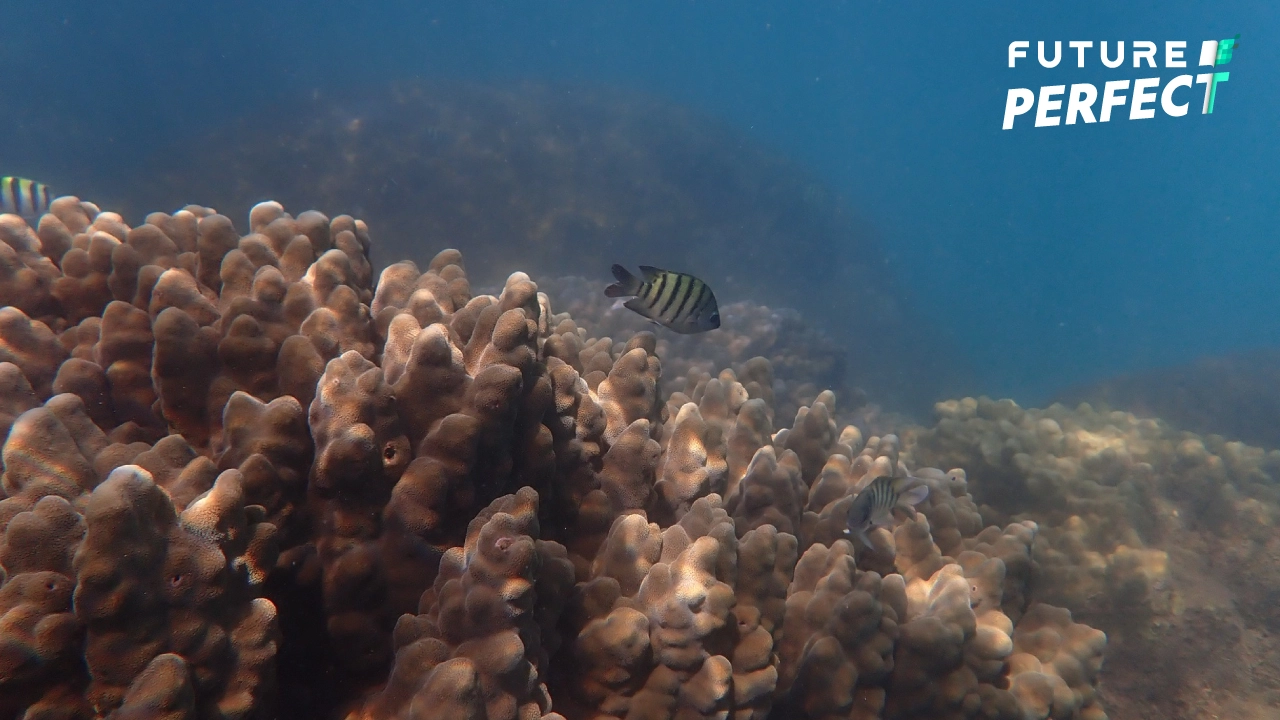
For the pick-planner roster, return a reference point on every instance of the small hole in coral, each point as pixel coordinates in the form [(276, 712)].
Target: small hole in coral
[(175, 580), (502, 543), (389, 453)]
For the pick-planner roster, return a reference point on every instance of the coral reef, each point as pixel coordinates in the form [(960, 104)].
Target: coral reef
[(1163, 538), (242, 479)]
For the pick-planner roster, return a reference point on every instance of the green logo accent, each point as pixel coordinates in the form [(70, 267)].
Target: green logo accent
[(1224, 49), (1218, 77)]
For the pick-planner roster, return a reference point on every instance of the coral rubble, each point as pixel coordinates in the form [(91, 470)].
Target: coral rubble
[(242, 479)]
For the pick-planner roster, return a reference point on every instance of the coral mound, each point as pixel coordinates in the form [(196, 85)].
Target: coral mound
[(1163, 538), (242, 479), (1236, 395)]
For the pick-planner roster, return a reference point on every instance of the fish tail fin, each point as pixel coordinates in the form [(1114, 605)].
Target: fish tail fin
[(627, 284)]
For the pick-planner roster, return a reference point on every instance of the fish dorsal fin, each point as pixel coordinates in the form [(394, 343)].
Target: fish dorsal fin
[(650, 272)]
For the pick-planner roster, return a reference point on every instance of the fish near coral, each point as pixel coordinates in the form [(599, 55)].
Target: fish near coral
[(874, 506), (27, 198), (677, 301)]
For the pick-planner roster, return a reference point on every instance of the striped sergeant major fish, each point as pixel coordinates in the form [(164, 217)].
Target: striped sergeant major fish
[(27, 198), (678, 301), (874, 506)]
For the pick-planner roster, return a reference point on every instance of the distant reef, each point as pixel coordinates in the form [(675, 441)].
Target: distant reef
[(557, 180), (1236, 396)]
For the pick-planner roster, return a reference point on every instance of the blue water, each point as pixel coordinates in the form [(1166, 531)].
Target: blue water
[(1050, 256)]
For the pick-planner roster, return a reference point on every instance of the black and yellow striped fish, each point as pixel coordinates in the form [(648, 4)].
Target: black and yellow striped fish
[(27, 198), (874, 506), (678, 301)]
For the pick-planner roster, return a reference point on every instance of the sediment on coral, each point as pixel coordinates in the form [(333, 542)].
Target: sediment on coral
[(244, 478)]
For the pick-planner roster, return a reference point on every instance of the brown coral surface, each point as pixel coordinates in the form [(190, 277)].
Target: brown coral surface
[(243, 478)]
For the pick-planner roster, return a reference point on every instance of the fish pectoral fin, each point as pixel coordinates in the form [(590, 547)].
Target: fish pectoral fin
[(866, 539), (914, 495)]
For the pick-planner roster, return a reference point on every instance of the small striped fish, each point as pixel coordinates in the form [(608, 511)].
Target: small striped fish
[(874, 506), (674, 300), (27, 198)]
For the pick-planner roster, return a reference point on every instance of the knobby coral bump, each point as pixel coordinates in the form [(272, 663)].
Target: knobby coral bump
[(243, 480)]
